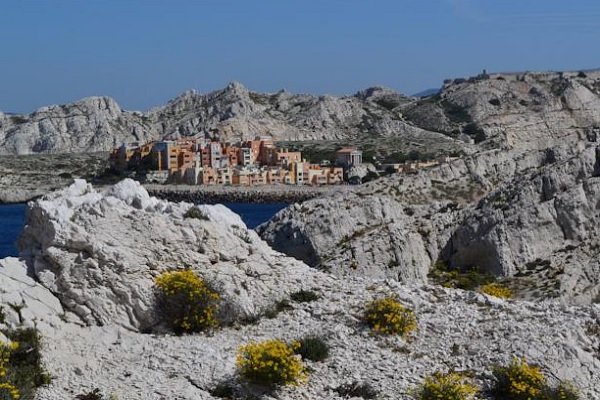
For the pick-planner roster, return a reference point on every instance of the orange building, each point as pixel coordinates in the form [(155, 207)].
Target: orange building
[(232, 153), (285, 157)]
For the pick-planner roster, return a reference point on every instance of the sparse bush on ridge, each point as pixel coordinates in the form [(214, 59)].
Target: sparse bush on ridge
[(271, 362), (186, 302), (448, 386), (195, 212), (388, 316)]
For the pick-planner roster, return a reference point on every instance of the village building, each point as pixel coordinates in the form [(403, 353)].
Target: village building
[(254, 162), (348, 157)]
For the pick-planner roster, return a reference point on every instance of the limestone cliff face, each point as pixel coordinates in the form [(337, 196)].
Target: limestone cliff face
[(542, 226)]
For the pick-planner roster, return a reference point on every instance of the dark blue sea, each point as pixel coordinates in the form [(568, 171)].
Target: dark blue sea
[(12, 217), (255, 214)]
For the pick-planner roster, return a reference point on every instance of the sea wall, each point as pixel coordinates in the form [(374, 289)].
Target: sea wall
[(239, 194)]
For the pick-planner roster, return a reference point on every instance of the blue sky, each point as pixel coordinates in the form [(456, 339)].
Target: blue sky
[(143, 53)]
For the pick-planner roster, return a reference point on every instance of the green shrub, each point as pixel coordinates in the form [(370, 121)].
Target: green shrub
[(313, 348), (223, 390), (186, 302), (304, 296), (272, 362), (388, 316), (449, 386), (356, 389), (195, 212)]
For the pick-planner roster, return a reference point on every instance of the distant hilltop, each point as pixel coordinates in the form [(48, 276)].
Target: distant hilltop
[(485, 111)]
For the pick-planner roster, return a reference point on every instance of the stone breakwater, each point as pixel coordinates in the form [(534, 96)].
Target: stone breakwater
[(238, 194)]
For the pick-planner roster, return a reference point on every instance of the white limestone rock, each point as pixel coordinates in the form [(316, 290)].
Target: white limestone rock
[(24, 301), (456, 330), (542, 211), (99, 252)]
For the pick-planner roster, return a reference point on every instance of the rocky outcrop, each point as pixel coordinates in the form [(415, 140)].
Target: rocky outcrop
[(99, 252), (543, 226), (89, 125), (507, 212), (85, 280), (518, 111), (23, 301)]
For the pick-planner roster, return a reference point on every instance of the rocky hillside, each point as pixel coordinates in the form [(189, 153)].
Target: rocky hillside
[(528, 110), (500, 111), (85, 280), (528, 217), (234, 113)]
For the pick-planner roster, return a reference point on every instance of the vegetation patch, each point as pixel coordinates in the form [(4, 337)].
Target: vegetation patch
[(21, 370), (304, 296), (195, 212), (523, 381), (388, 316), (270, 363), (357, 389), (95, 394), (448, 386), (455, 113), (186, 302), (497, 290), (312, 348), (469, 279)]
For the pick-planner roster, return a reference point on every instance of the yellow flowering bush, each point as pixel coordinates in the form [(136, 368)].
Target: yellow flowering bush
[(449, 386), (186, 301), (272, 362), (497, 290), (7, 389), (388, 316), (519, 381)]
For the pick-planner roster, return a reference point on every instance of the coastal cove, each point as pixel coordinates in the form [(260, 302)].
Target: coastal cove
[(12, 218)]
